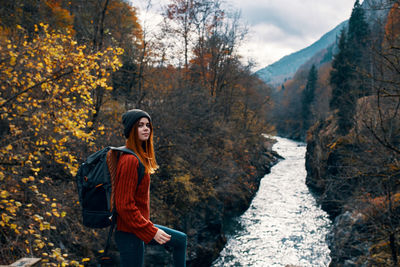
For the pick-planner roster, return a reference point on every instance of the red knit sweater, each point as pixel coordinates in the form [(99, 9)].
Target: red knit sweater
[(132, 203)]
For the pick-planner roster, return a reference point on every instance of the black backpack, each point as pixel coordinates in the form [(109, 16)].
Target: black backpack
[(94, 181)]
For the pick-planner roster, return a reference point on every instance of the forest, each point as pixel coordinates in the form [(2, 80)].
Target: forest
[(70, 69)]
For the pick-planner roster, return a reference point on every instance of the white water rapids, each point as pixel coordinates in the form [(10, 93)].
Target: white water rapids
[(283, 225)]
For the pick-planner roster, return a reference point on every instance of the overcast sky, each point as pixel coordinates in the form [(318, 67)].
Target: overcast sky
[(279, 27)]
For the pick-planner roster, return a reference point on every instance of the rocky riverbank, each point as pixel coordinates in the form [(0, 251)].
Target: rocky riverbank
[(353, 182)]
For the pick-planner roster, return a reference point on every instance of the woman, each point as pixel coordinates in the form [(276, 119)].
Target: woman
[(134, 227)]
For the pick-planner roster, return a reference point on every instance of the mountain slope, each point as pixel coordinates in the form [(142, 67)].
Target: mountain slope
[(276, 73)]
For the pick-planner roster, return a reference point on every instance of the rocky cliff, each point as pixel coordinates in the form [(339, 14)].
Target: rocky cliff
[(356, 181)]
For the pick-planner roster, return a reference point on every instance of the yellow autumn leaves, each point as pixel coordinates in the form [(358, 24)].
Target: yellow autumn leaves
[(47, 84), (46, 93)]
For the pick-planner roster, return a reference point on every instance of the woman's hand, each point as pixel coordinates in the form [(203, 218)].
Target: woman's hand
[(162, 237)]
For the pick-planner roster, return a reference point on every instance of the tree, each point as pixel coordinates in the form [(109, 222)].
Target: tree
[(358, 32), (107, 23), (346, 73), (182, 12), (215, 53), (130, 80), (308, 95), (28, 13), (45, 108)]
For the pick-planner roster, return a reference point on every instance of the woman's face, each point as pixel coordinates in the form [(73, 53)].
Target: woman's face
[(144, 129)]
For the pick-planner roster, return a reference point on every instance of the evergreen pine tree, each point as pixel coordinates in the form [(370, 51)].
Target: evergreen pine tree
[(341, 73), (345, 80), (358, 30), (357, 42), (308, 97)]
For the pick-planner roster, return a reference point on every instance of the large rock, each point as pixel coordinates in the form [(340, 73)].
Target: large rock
[(344, 241)]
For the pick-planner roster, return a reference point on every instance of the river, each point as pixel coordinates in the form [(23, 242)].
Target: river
[(283, 225)]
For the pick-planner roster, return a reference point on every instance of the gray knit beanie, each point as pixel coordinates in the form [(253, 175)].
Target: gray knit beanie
[(131, 117)]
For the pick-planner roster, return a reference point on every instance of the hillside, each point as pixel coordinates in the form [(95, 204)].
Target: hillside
[(284, 69)]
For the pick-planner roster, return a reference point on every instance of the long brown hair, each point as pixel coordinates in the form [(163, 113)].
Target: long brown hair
[(143, 149)]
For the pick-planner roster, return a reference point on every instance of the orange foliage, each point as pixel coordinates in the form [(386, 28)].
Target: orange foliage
[(392, 28), (63, 18), (51, 12), (380, 204), (123, 23)]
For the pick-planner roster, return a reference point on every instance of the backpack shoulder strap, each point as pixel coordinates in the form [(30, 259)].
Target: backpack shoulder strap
[(141, 169)]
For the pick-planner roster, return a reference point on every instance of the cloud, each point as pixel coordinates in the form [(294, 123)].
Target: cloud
[(295, 16), (280, 27)]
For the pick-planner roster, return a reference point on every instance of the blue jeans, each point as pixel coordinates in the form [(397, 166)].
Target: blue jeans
[(131, 248)]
